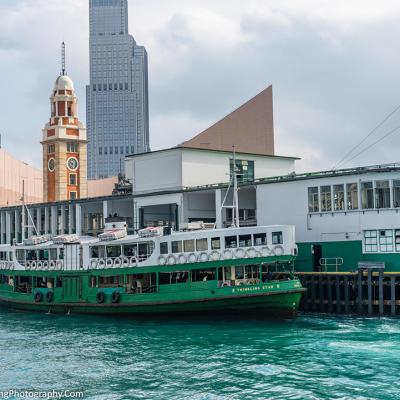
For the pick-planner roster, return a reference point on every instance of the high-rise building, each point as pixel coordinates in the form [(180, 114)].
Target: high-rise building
[(117, 97)]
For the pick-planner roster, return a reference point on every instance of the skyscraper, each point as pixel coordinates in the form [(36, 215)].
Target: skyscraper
[(117, 97)]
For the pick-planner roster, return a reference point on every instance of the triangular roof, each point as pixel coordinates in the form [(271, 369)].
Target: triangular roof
[(250, 128)]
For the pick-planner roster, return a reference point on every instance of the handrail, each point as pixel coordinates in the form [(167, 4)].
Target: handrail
[(331, 262)]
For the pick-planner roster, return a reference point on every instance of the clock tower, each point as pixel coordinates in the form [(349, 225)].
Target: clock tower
[(64, 145)]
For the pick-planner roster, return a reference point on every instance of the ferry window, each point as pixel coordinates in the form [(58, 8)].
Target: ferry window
[(201, 244), (113, 251), (396, 193), (326, 198), (53, 254), (164, 278), (203, 275), (244, 240), (352, 196), (230, 241), (188, 245), (386, 240), (145, 250), (370, 242), (31, 255), (176, 246), (61, 253), (277, 238), (338, 197), (382, 194), (20, 255), (260, 239), (23, 284), (130, 250), (94, 252), (397, 239), (313, 199), (367, 195), (164, 248), (215, 243), (179, 277)]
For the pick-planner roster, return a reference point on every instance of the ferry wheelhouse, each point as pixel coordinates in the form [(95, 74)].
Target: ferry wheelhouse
[(154, 271)]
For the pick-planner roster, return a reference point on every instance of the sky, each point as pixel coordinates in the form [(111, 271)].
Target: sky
[(334, 67)]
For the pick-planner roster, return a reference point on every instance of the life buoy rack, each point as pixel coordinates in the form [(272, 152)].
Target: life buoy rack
[(228, 255), (192, 258), (171, 259), (162, 260), (49, 296), (182, 258), (115, 297), (100, 297), (279, 250), (38, 297), (203, 257), (215, 255), (117, 262), (94, 263), (109, 262)]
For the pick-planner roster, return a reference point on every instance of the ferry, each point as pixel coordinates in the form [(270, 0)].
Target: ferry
[(156, 271)]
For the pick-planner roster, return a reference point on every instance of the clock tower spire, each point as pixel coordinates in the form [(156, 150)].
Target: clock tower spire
[(64, 144)]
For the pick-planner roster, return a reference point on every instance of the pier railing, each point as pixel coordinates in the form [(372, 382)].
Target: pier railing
[(331, 262)]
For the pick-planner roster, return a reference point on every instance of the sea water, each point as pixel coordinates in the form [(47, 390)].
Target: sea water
[(312, 357)]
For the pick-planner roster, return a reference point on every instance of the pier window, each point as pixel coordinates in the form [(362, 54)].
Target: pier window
[(313, 199), (230, 242), (396, 193), (397, 239), (204, 275), (215, 243), (164, 248), (277, 238), (326, 198), (367, 195), (382, 194), (177, 246), (188, 246), (338, 197), (386, 240), (370, 241), (352, 196), (72, 147), (244, 240), (201, 244), (260, 239)]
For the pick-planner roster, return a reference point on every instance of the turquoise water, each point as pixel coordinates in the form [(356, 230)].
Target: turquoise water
[(313, 357)]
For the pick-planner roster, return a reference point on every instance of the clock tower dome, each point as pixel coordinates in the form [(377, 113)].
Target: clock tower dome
[(64, 145)]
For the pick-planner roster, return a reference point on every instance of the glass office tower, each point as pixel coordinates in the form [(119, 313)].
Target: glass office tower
[(117, 97)]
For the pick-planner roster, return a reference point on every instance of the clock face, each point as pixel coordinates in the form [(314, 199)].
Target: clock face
[(51, 165), (72, 163)]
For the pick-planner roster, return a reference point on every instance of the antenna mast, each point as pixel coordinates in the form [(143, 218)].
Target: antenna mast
[(63, 72), (235, 219)]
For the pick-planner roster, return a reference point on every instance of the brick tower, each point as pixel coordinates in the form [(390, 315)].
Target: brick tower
[(64, 145)]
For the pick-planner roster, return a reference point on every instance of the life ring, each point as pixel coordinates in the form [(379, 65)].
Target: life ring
[(228, 254), (100, 297), (49, 296), (39, 265), (162, 260), (38, 297), (239, 253), (94, 263), (45, 265), (182, 258), (251, 253), (215, 255), (265, 251), (115, 297), (203, 257), (109, 262), (133, 261), (27, 265), (52, 265), (125, 262), (33, 265), (171, 259), (279, 250), (101, 263), (117, 262), (192, 258), (59, 265)]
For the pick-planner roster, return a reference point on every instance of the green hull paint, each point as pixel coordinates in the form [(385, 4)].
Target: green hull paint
[(350, 251)]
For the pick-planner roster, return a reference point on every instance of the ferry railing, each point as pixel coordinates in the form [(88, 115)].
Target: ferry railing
[(328, 262)]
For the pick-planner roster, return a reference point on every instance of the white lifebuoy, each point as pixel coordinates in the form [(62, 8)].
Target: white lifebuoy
[(27, 265), (251, 252), (33, 265), (279, 250), (192, 258), (215, 255), (101, 263), (109, 262), (39, 265), (265, 251), (52, 265), (45, 265), (133, 261), (171, 259), (182, 258), (162, 260), (117, 262), (59, 265), (203, 257), (239, 253), (228, 254), (125, 262), (94, 263)]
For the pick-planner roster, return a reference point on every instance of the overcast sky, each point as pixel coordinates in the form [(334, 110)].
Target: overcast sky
[(334, 67)]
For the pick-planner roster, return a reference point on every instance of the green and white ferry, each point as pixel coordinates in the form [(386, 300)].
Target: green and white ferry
[(155, 271)]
